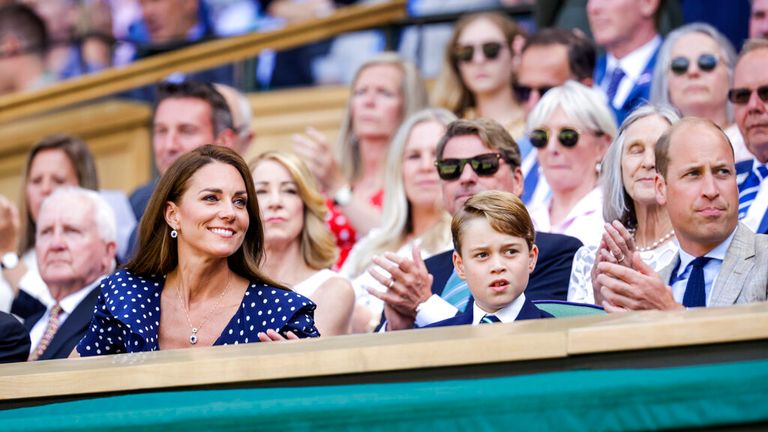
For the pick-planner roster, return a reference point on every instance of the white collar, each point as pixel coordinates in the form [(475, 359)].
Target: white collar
[(507, 314), (70, 302), (718, 253), (634, 63)]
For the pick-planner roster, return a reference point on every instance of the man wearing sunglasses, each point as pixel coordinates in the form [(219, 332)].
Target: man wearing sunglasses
[(549, 58), (627, 31), (473, 156), (720, 262), (749, 97)]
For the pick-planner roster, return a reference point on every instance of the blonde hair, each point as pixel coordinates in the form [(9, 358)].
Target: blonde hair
[(451, 92), (396, 218), (504, 211), (318, 247), (414, 96)]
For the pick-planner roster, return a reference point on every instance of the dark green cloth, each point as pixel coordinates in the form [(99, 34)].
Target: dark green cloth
[(625, 399)]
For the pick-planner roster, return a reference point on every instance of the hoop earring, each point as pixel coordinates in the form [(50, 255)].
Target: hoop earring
[(174, 234)]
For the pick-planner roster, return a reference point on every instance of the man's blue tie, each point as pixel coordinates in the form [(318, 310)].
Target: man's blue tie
[(613, 85), (749, 188), (456, 292), (489, 319), (695, 295)]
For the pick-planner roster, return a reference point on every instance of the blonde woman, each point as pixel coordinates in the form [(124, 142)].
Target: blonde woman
[(385, 91), (479, 70), (299, 247), (413, 212)]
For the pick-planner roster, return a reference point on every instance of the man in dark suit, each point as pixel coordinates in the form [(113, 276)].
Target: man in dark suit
[(472, 156), (14, 339), (627, 30), (75, 248)]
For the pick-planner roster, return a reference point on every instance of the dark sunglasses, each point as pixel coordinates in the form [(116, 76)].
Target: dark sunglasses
[(706, 62), (567, 136), (740, 96), (466, 53), (523, 93), (484, 165)]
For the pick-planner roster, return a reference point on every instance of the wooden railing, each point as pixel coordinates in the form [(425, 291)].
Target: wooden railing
[(655, 338)]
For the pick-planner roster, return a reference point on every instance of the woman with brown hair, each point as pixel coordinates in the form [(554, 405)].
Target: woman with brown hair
[(55, 161), (195, 279), (300, 248), (479, 71)]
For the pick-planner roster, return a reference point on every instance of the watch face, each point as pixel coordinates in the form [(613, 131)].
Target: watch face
[(10, 260)]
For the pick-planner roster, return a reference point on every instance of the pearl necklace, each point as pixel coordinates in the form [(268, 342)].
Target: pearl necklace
[(657, 243), (193, 336)]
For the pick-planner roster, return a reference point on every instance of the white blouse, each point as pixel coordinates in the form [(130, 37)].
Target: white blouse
[(580, 285), (584, 221)]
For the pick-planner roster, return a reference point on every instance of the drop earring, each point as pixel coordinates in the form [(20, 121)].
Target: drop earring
[(174, 234)]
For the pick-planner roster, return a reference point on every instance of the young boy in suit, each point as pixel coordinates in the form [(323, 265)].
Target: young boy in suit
[(494, 252)]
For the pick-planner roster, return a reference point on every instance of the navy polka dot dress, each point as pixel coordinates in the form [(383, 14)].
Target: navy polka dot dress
[(127, 315)]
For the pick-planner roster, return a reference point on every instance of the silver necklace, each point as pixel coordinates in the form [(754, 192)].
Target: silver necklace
[(195, 330), (658, 242)]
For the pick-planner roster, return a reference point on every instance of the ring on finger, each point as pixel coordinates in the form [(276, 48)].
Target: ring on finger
[(391, 283), (619, 259)]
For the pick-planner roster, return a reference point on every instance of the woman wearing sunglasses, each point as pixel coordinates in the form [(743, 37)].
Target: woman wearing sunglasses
[(413, 210), (479, 70), (693, 73), (571, 127), (637, 222)]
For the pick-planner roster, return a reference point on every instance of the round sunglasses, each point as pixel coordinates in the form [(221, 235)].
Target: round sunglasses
[(465, 53), (567, 136), (706, 63), (484, 165)]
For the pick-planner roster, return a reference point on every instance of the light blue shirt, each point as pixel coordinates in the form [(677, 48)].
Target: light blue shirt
[(679, 278)]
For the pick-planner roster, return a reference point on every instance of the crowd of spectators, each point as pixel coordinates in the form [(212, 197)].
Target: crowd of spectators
[(629, 180)]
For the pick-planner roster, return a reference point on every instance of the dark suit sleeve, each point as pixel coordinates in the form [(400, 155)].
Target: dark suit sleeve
[(549, 280), (26, 306), (14, 340), (440, 266)]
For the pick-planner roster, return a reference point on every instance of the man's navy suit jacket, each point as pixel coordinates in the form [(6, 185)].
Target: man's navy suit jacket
[(14, 340), (528, 311), (70, 333), (549, 280)]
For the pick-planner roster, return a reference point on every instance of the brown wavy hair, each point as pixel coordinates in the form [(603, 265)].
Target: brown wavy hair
[(157, 253)]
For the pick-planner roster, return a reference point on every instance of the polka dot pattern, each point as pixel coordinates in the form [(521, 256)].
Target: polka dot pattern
[(127, 315)]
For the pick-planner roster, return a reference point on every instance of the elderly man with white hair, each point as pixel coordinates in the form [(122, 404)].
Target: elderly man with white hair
[(75, 249)]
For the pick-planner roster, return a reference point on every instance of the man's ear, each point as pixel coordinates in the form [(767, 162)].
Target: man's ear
[(108, 266), (458, 265), (227, 138), (648, 8), (533, 256), (660, 185), (517, 174)]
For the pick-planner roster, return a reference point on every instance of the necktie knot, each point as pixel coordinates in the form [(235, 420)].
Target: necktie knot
[(700, 262), (613, 84), (695, 290), (489, 319)]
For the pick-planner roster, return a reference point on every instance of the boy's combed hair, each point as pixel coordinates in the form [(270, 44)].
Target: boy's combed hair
[(504, 211)]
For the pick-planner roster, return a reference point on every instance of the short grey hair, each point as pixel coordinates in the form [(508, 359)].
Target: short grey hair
[(660, 86), (586, 106), (103, 215), (617, 204)]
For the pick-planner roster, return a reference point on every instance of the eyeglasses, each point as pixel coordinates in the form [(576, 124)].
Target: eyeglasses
[(484, 165), (523, 93), (740, 96), (706, 62), (567, 136), (465, 53)]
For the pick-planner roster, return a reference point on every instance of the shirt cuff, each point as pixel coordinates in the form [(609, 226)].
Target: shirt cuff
[(433, 310)]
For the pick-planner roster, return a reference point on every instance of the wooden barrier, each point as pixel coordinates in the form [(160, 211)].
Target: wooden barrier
[(621, 340)]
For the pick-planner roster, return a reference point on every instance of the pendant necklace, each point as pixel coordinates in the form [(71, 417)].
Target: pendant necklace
[(195, 330)]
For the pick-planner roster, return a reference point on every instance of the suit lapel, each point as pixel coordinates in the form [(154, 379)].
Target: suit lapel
[(74, 325), (736, 266), (666, 272)]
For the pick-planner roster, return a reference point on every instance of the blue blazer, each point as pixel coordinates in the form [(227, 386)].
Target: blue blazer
[(14, 340), (529, 311), (639, 94), (70, 333), (549, 280), (743, 169)]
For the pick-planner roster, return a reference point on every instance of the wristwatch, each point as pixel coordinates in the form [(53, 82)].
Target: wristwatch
[(9, 261), (343, 196)]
